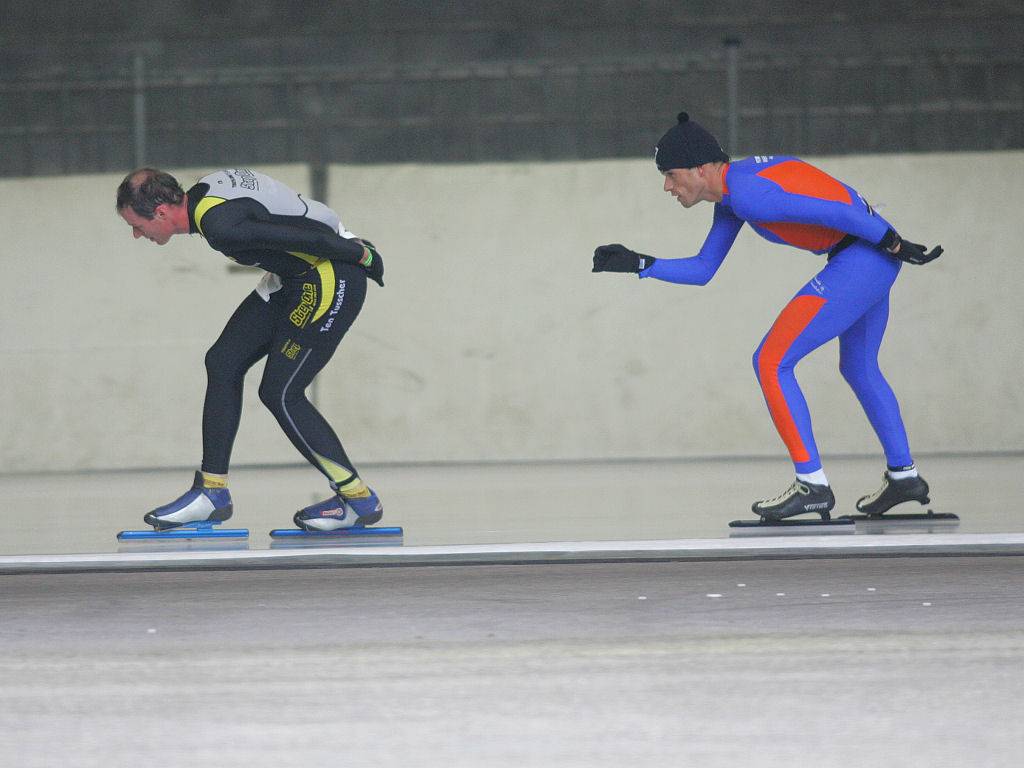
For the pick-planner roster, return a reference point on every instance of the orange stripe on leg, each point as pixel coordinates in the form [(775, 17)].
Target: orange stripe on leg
[(791, 322)]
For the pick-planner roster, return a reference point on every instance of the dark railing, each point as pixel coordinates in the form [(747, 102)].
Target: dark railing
[(76, 122)]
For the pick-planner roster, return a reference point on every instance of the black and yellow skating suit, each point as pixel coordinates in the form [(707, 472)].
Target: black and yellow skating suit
[(313, 290)]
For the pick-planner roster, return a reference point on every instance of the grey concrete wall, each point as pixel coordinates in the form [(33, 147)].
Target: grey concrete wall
[(492, 339)]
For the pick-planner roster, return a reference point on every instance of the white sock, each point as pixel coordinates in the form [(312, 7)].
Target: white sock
[(815, 478), (902, 472)]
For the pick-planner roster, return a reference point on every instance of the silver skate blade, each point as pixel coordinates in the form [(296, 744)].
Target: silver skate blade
[(288, 538), (790, 527), (918, 522)]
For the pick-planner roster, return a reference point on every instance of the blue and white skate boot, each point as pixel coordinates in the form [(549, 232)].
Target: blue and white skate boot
[(198, 505), (338, 512)]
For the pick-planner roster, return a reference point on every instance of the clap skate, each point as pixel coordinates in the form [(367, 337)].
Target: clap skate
[(193, 515), (800, 498), (338, 520), (874, 508)]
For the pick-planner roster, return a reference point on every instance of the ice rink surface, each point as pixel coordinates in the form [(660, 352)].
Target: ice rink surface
[(894, 662), (498, 503), (888, 661)]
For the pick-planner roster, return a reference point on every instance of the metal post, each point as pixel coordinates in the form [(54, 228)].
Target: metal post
[(732, 94), (140, 109), (318, 180)]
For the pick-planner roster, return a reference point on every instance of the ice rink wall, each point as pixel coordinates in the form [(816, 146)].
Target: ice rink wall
[(492, 340)]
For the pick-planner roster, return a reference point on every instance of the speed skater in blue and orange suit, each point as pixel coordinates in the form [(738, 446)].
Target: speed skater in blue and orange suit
[(312, 289), (786, 200)]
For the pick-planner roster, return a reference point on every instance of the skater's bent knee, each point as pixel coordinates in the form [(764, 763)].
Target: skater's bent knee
[(756, 360), (222, 367), (276, 397), (270, 396), (857, 373), (218, 361)]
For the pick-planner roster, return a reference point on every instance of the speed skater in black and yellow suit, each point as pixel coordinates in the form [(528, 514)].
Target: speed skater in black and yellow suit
[(312, 291)]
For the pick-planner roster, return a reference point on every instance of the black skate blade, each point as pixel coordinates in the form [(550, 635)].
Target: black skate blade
[(282, 538), (927, 519), (790, 527)]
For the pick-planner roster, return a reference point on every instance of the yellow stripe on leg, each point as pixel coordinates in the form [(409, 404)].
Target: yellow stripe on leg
[(210, 480), (348, 483), (325, 270), (354, 489)]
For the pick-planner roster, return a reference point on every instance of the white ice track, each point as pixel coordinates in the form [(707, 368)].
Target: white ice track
[(764, 663), (746, 548), (896, 649)]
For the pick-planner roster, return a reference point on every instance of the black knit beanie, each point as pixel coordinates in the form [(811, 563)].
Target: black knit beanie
[(687, 145)]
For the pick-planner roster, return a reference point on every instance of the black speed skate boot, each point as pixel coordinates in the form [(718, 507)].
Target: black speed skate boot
[(893, 492), (799, 499)]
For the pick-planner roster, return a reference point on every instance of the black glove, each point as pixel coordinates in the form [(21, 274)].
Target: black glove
[(904, 250), (914, 253), (618, 258), (372, 262)]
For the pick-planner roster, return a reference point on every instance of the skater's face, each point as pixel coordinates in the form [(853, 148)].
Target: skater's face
[(687, 185), (158, 229)]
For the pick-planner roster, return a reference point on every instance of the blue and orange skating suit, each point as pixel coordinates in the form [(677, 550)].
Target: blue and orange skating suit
[(788, 201)]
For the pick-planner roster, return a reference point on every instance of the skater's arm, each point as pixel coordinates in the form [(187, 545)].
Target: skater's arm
[(699, 269), (757, 199), (761, 200), (242, 225)]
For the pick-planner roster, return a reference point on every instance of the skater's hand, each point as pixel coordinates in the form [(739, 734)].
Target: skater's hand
[(618, 258), (372, 262), (904, 250), (914, 253)]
